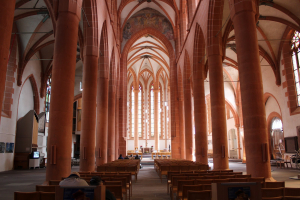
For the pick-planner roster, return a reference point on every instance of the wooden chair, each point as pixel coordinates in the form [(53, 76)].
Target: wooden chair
[(47, 195), (45, 188), (287, 161), (26, 196), (280, 163), (292, 192), (274, 184), (54, 182), (181, 183), (199, 195), (187, 188), (116, 190), (174, 185), (272, 192)]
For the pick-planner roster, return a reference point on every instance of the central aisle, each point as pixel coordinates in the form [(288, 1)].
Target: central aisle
[(149, 186)]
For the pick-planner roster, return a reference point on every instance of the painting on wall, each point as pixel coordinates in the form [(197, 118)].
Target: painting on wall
[(2, 147), (10, 147), (148, 18)]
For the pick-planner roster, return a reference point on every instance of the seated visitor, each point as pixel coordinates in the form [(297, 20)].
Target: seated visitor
[(120, 157), (73, 180), (95, 181), (137, 157), (126, 157)]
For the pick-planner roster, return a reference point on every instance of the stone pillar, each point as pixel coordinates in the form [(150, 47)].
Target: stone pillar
[(136, 119), (117, 128), (188, 120), (182, 129), (200, 120), (243, 15), (156, 113), (111, 120), (88, 130), (62, 91), (7, 10), (102, 120), (218, 115)]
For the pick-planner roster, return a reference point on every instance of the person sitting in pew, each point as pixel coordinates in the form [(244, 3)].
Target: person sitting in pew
[(120, 157), (73, 180)]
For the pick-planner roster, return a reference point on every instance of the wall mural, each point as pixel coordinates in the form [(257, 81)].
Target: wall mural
[(148, 17)]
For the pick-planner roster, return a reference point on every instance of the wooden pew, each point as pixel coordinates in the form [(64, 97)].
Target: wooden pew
[(26, 196)]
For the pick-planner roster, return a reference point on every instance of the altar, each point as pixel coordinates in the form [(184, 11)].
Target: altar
[(147, 149)]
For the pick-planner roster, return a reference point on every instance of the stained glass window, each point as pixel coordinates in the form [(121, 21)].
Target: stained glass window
[(296, 63), (48, 97)]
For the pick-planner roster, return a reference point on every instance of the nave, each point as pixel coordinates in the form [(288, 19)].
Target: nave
[(147, 187)]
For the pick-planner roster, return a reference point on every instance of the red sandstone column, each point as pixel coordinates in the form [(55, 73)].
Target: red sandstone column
[(88, 131), (102, 121), (111, 120), (200, 120), (188, 121), (136, 121), (218, 115), (256, 142), (117, 126), (182, 129), (156, 113), (7, 9), (62, 91)]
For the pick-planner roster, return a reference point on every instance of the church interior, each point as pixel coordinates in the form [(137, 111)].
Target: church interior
[(209, 87)]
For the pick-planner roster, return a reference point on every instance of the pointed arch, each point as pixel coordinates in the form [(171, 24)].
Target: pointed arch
[(103, 67)]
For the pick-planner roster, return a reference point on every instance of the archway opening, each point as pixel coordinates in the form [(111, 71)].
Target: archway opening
[(276, 139)]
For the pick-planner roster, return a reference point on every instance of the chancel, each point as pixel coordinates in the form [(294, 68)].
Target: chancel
[(177, 87)]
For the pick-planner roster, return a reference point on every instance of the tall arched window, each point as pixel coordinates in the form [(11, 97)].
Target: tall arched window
[(140, 111), (296, 63), (132, 112), (48, 97), (152, 110), (159, 113)]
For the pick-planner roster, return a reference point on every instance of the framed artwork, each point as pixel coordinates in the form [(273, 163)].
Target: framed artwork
[(10, 147), (2, 147)]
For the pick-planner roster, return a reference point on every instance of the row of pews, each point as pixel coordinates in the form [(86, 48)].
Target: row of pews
[(162, 166), (116, 177), (122, 165), (192, 185)]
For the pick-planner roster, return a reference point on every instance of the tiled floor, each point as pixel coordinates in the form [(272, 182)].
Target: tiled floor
[(147, 187)]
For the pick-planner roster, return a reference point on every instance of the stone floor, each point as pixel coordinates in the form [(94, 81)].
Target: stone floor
[(147, 187)]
